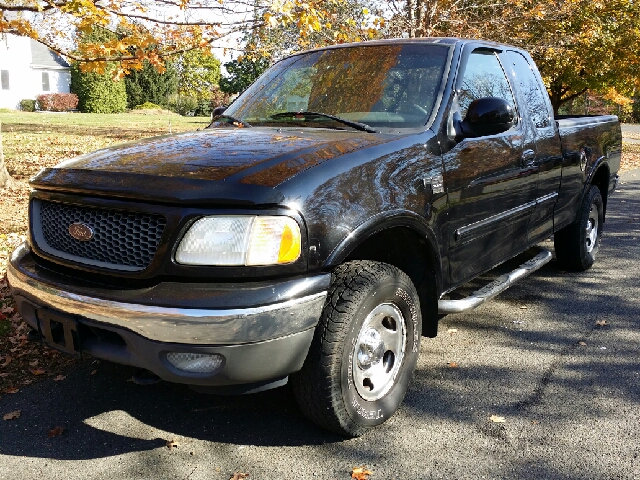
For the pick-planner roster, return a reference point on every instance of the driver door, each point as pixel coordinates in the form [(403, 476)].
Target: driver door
[(490, 183)]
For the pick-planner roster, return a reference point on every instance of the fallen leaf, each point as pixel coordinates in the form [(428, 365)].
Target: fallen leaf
[(584, 344), (12, 415), (452, 330), (601, 323), (360, 473), (59, 378), (12, 390), (171, 444), (34, 363), (37, 371), (55, 432), (239, 476), (497, 419), (2, 375), (453, 365), (93, 372), (7, 361)]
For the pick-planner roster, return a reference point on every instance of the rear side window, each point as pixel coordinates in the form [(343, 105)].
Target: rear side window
[(531, 89), (483, 77)]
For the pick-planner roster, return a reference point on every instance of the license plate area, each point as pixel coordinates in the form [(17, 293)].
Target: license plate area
[(59, 331)]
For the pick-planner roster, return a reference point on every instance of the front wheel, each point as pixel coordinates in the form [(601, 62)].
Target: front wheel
[(577, 244), (364, 349)]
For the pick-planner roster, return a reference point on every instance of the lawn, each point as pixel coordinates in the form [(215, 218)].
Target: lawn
[(36, 140)]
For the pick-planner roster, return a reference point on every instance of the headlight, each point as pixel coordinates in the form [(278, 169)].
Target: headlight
[(240, 240)]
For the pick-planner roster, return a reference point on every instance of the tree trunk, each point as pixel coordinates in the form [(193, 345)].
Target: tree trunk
[(5, 179)]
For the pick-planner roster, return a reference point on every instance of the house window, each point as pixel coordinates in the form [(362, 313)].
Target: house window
[(4, 77), (45, 81)]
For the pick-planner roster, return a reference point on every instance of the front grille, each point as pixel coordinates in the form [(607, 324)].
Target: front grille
[(121, 239)]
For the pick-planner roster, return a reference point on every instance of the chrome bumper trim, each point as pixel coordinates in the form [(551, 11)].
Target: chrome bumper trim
[(175, 325)]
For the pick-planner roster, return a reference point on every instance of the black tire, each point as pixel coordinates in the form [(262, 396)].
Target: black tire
[(577, 244), (347, 385)]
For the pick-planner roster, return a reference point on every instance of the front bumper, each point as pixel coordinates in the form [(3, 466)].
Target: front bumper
[(258, 342)]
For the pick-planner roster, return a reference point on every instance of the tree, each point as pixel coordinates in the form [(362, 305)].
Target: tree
[(583, 45), (198, 73), (242, 73), (578, 45), (149, 85), (176, 26), (98, 91)]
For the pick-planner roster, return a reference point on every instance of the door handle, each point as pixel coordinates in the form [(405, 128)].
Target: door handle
[(528, 158)]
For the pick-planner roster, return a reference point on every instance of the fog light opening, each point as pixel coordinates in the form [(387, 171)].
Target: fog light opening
[(196, 362)]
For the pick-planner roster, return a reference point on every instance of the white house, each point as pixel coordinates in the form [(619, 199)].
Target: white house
[(29, 69)]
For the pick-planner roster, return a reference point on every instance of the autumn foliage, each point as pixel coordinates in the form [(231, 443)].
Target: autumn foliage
[(57, 102)]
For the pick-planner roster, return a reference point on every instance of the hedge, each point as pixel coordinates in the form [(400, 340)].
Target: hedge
[(57, 102)]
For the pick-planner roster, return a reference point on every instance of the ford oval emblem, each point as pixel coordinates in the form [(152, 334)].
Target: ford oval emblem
[(80, 231)]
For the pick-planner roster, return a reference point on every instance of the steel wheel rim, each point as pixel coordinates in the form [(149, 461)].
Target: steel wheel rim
[(379, 351), (592, 229)]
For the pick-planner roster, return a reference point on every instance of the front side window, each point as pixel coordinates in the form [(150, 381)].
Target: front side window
[(483, 77), (392, 86), (4, 77), (45, 81)]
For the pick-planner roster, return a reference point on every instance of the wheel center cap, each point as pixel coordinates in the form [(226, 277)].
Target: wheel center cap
[(371, 349)]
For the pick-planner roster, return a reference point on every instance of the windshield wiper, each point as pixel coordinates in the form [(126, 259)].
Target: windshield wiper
[(233, 120), (350, 123)]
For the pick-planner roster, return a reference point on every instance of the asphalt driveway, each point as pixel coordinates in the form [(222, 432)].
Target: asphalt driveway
[(557, 355)]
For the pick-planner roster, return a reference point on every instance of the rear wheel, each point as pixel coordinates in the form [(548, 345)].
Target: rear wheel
[(364, 349), (577, 244)]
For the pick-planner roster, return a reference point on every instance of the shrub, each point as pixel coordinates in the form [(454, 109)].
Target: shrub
[(148, 106), (28, 105), (57, 102), (98, 92), (182, 104)]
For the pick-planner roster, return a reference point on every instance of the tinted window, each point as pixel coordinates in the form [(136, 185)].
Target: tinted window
[(45, 81), (531, 90), (483, 77), (383, 86), (4, 76)]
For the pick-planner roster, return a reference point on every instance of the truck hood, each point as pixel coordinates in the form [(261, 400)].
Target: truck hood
[(219, 165)]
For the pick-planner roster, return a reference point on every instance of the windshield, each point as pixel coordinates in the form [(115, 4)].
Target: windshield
[(378, 86)]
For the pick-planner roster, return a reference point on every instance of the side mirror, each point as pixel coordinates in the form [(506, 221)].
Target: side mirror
[(488, 116)]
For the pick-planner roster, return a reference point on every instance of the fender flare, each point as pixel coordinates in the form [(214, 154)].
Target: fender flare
[(384, 221)]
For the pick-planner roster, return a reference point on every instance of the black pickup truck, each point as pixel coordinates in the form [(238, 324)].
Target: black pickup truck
[(316, 229)]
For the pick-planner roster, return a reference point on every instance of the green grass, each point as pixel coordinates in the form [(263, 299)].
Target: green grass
[(33, 141), (36, 140), (117, 120)]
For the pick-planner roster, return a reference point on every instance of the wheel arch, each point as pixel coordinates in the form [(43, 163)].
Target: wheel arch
[(404, 240), (600, 178)]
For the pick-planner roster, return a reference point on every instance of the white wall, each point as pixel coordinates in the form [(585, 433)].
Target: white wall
[(25, 82)]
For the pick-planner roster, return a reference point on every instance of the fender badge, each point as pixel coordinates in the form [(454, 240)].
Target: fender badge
[(81, 232)]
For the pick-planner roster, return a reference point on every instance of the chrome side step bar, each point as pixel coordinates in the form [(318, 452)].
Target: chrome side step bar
[(496, 287)]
